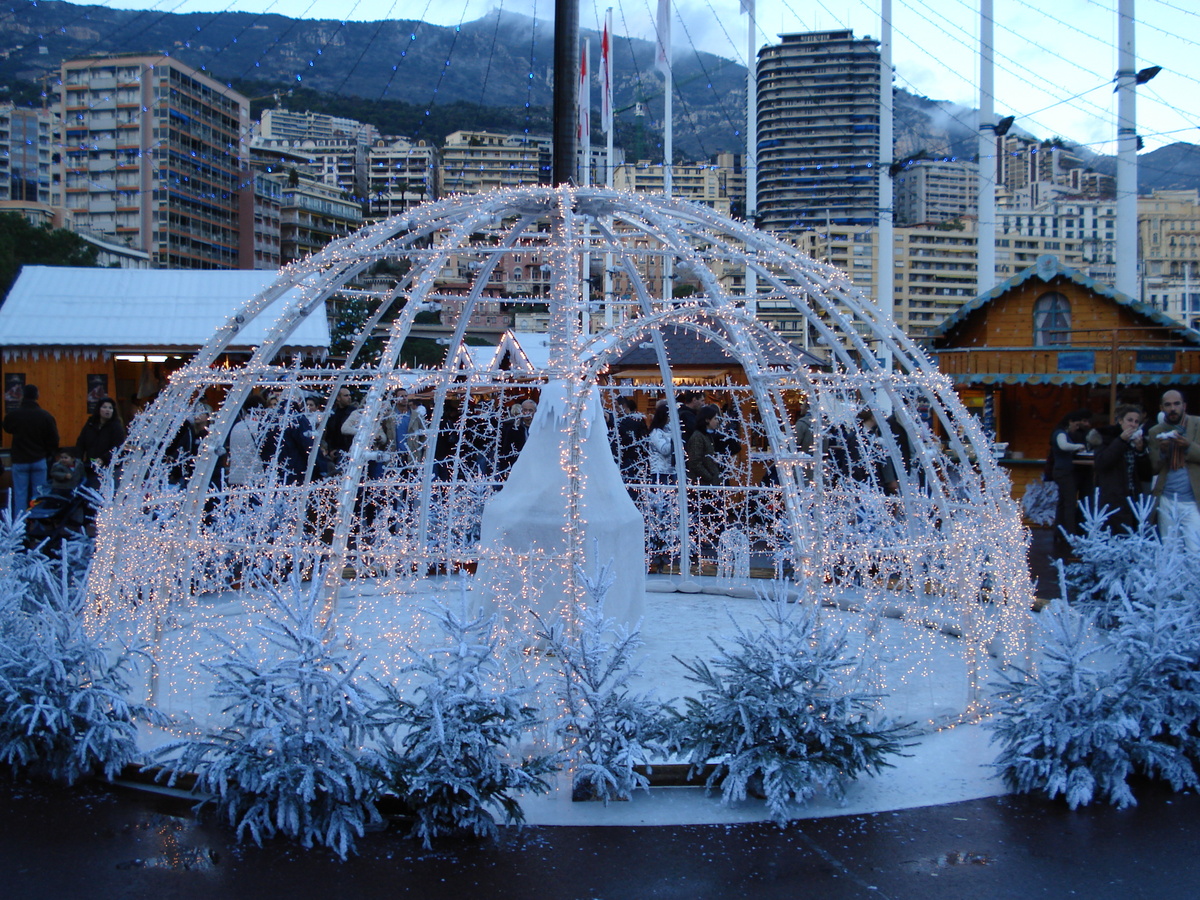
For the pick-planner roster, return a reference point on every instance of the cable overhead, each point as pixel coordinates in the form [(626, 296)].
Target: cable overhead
[(708, 78), (1178, 9), (279, 38), (1016, 74), (366, 47), (487, 71), (329, 38)]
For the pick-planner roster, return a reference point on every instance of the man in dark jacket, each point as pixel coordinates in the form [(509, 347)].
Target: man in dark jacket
[(286, 439), (513, 434), (336, 442), (631, 440), (34, 442), (690, 404)]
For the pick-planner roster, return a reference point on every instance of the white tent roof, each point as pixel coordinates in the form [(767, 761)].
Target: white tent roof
[(536, 347), (111, 309), (533, 346)]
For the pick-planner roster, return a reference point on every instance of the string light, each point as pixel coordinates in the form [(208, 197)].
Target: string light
[(935, 568)]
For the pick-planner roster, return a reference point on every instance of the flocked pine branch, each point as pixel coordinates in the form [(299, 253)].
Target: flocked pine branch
[(1127, 566), (296, 758), (65, 711), (776, 714), (453, 757), (1104, 705), (608, 729)]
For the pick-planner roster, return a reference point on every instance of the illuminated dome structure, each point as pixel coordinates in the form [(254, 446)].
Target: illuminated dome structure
[(910, 523)]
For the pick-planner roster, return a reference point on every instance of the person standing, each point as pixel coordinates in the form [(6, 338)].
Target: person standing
[(285, 439), (410, 432), (185, 446), (662, 504), (631, 439), (337, 440), (1122, 464), (513, 435), (702, 465), (1066, 442), (1175, 461), (245, 465), (661, 445), (690, 404), (101, 435), (34, 443)]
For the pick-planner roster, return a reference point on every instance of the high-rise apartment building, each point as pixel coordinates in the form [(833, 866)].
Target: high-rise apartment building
[(1169, 250), (721, 186), (933, 269), (932, 191), (311, 215), (477, 161), (153, 155), (818, 131), (24, 154), (401, 174), (285, 125)]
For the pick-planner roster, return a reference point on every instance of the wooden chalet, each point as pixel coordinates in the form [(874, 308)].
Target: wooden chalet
[(1050, 340), (80, 333)]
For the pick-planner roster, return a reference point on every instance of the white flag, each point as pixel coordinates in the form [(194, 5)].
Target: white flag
[(748, 7), (662, 57), (606, 75)]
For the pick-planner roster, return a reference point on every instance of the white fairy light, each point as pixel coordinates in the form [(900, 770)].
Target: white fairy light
[(943, 554)]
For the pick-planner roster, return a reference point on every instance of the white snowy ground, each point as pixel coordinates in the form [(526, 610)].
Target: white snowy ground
[(924, 672)]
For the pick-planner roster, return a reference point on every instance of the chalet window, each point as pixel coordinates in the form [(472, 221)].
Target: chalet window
[(1051, 320)]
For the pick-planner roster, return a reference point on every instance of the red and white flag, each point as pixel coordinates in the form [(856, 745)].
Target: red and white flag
[(583, 130), (662, 56), (606, 75)]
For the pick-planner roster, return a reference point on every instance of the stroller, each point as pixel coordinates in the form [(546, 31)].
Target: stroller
[(56, 516)]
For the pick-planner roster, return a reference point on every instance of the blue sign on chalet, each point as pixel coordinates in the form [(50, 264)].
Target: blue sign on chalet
[(1077, 361), (1154, 361)]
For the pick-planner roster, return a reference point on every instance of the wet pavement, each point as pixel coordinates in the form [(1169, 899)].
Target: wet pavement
[(99, 842), (108, 842)]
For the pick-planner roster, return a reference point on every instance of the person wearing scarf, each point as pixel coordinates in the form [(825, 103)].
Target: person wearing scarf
[(1175, 461)]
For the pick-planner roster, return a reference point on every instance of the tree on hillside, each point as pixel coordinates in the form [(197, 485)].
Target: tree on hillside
[(23, 244)]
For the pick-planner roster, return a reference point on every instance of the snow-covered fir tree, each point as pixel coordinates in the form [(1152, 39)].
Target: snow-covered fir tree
[(453, 758), (779, 714), (1113, 567), (608, 729), (296, 757), (65, 708), (1107, 702)]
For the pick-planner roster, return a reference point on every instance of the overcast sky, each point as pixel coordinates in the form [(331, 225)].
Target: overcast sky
[(1054, 68)]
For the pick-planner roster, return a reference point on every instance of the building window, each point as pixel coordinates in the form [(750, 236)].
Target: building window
[(1051, 320)]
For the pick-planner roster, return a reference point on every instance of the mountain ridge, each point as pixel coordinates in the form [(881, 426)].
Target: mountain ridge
[(501, 61)]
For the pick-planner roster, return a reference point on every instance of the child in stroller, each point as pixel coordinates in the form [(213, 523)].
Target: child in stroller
[(63, 510)]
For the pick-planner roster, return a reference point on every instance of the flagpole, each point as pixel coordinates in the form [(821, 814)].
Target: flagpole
[(585, 175), (606, 121), (606, 95), (751, 162), (566, 98), (664, 64), (585, 112)]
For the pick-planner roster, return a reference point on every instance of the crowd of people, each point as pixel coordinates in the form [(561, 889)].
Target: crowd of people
[(1113, 466), (277, 431), (40, 464)]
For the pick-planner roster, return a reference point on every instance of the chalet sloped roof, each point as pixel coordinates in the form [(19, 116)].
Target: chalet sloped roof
[(60, 308), (1047, 268)]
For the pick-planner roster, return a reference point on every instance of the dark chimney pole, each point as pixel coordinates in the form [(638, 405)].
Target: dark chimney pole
[(566, 90)]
